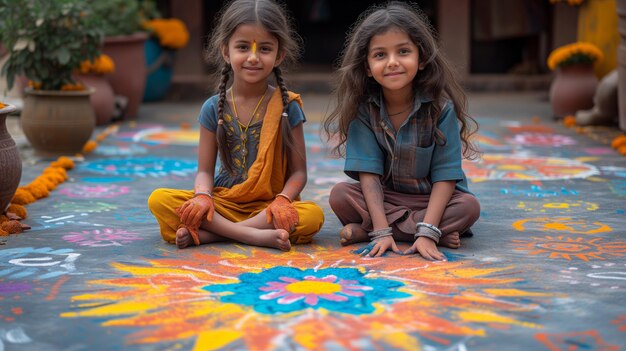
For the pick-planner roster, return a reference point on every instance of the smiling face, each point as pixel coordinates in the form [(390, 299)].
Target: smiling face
[(252, 52), (393, 60)]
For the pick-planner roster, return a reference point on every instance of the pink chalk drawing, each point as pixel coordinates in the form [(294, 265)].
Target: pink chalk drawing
[(94, 192), (102, 237), (542, 139)]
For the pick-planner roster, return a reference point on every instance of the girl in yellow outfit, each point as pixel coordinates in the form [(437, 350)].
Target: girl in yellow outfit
[(257, 129)]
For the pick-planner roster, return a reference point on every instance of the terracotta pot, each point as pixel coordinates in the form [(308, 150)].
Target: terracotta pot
[(129, 78), (57, 122), (103, 99), (621, 63), (572, 89), (10, 162)]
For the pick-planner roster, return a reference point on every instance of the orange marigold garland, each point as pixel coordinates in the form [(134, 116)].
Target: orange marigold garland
[(39, 188)]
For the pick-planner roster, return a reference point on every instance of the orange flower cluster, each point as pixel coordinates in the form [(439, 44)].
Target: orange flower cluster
[(66, 87), (39, 188), (92, 145), (569, 121), (171, 32), (103, 64), (619, 144), (2, 105), (570, 54)]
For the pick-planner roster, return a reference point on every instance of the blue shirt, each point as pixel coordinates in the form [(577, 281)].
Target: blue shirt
[(408, 160), (242, 143)]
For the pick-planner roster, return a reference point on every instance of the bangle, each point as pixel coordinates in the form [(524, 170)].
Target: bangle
[(428, 230), (285, 196), (380, 233), (198, 193)]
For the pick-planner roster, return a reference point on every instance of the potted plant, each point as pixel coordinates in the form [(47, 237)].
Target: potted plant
[(575, 83), (47, 40), (124, 43), (166, 36), (94, 74)]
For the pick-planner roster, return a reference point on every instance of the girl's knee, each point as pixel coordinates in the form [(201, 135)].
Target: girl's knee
[(311, 219), (338, 195), (471, 207), (157, 199)]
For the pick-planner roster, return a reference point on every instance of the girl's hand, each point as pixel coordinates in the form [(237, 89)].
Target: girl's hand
[(193, 211), (282, 213), (427, 248), (382, 245)]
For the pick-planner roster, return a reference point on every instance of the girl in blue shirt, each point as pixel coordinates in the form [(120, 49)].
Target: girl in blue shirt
[(401, 117)]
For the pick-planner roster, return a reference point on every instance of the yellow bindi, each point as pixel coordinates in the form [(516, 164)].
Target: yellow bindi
[(254, 47)]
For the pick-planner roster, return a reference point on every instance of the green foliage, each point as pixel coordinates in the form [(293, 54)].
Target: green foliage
[(123, 17), (48, 39)]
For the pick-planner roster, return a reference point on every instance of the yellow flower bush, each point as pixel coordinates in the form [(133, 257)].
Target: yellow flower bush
[(570, 54), (171, 32), (103, 64)]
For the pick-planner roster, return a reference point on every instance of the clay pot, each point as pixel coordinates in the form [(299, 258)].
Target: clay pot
[(10, 162), (572, 89), (129, 78), (103, 99), (57, 122)]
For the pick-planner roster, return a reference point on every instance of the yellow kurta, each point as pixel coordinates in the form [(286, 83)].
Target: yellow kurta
[(266, 178)]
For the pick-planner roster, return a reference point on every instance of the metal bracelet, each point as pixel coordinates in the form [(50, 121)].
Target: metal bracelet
[(428, 232), (430, 226), (380, 233), (203, 193)]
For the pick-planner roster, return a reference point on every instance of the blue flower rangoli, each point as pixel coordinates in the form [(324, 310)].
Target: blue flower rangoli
[(286, 289)]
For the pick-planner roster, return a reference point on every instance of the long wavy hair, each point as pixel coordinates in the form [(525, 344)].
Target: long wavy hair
[(437, 80), (273, 18)]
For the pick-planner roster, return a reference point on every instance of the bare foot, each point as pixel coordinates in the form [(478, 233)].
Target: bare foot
[(352, 233), (452, 240), (274, 238), (183, 238)]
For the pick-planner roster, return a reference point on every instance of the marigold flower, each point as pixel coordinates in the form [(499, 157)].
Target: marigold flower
[(3, 218), (171, 32), (622, 150), (579, 52), (618, 141), (23, 197), (2, 105), (46, 182), (12, 227), (19, 210), (73, 87), (89, 146), (102, 64), (569, 121), (3, 232), (38, 189), (64, 162)]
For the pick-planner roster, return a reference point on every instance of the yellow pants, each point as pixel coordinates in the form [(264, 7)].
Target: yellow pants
[(163, 202)]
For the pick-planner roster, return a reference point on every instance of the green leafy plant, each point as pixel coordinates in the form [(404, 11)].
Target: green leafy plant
[(123, 17), (47, 40)]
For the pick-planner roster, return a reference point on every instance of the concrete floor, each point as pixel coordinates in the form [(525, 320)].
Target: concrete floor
[(545, 270)]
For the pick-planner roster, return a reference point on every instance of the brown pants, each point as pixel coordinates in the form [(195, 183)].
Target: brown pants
[(403, 211)]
